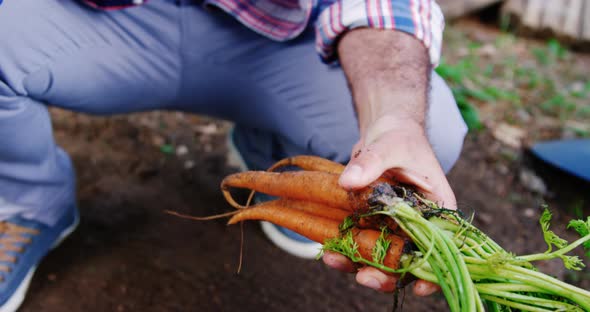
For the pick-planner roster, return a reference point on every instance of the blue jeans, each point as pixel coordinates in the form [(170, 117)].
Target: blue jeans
[(169, 55)]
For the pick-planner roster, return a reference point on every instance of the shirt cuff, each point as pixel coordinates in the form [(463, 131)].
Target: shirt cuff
[(422, 19)]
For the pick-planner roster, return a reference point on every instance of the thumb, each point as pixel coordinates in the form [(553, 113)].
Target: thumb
[(366, 166)]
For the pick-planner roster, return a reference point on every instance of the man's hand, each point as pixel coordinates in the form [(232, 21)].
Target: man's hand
[(388, 73), (407, 151), (402, 152)]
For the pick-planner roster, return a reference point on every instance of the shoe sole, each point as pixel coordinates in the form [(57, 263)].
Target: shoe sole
[(19, 295)]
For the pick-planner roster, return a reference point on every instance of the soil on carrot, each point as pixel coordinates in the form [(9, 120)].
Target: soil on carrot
[(128, 255)]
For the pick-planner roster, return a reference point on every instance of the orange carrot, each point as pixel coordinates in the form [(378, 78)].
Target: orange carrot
[(311, 208), (311, 163), (305, 162), (315, 163), (316, 228), (366, 240), (320, 229), (315, 186)]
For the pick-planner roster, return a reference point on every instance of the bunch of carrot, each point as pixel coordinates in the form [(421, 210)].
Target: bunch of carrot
[(396, 230)]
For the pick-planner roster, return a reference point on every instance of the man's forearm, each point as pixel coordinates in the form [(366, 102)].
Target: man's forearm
[(388, 72)]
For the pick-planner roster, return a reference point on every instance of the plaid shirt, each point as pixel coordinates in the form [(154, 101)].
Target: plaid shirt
[(282, 20)]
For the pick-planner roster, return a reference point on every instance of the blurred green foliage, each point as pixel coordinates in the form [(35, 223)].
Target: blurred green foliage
[(535, 80)]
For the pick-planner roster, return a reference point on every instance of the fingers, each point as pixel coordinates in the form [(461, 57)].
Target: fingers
[(367, 167), (443, 195), (409, 176), (424, 288), (364, 168), (367, 276), (338, 262), (405, 159), (375, 279), (386, 152)]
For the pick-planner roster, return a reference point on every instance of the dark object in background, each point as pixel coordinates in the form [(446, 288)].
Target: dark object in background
[(571, 156), (565, 168)]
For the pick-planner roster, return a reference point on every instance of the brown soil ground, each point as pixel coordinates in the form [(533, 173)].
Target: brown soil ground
[(128, 255)]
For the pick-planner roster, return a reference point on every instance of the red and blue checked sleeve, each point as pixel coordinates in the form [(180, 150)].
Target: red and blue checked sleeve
[(113, 4), (422, 19)]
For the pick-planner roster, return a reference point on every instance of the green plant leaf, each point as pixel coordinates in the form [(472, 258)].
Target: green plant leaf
[(346, 225), (167, 149), (344, 245), (469, 114), (556, 49), (550, 237), (572, 262), (450, 73), (583, 228), (381, 246), (542, 56), (481, 95)]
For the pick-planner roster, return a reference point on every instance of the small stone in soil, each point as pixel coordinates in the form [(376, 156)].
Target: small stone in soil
[(529, 213), (532, 182), (189, 164), (181, 150), (484, 218), (158, 140)]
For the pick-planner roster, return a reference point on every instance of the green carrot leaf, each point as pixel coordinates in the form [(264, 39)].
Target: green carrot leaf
[(583, 228), (346, 225), (572, 262), (381, 246), (498, 259), (550, 237), (344, 245)]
